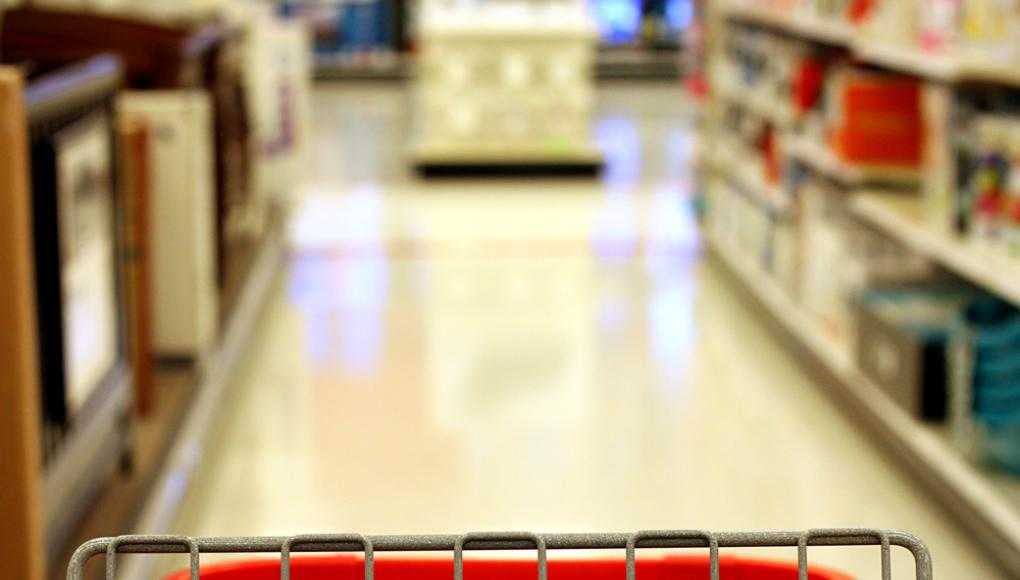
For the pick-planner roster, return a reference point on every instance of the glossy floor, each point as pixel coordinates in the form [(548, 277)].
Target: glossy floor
[(543, 355)]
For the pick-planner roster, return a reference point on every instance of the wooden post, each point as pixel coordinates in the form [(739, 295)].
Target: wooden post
[(21, 543), (136, 187)]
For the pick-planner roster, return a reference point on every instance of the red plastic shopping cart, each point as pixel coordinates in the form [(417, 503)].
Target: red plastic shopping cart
[(366, 567)]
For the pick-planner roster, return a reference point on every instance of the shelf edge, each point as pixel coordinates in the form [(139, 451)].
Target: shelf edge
[(966, 262)]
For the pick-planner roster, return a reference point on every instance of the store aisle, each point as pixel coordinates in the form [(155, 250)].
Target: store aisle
[(553, 356)]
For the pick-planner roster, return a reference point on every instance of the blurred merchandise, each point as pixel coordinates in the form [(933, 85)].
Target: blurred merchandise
[(938, 27), (876, 119), (990, 202), (181, 219), (990, 27), (514, 91), (277, 71), (970, 29), (81, 315), (78, 263), (205, 56), (862, 183), (808, 83), (824, 230), (903, 333), (693, 46), (154, 222), (352, 38), (986, 401)]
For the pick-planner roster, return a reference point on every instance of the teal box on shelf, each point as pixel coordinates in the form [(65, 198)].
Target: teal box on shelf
[(903, 332), (991, 331)]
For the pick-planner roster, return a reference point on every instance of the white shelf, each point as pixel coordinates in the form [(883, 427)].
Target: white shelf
[(989, 70), (803, 25), (980, 500), (824, 160), (902, 218), (972, 67), (907, 59), (903, 58)]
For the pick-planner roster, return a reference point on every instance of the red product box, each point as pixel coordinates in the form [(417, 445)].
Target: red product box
[(808, 81), (879, 120)]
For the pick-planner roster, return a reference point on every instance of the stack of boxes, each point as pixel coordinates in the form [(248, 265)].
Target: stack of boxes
[(986, 390)]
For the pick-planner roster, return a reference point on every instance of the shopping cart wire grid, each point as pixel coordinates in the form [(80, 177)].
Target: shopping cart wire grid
[(368, 545)]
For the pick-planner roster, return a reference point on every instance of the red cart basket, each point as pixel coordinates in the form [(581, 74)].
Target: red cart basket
[(366, 567)]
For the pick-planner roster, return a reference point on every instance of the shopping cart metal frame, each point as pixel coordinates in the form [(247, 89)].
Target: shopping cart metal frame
[(540, 543)]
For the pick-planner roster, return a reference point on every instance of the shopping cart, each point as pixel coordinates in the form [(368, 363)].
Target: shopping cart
[(353, 567)]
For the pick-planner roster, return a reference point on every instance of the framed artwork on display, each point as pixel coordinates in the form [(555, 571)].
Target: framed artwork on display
[(87, 230)]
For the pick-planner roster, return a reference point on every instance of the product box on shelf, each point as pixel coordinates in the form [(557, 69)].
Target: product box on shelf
[(990, 204), (902, 335), (824, 251), (761, 69), (808, 83), (277, 72), (985, 393), (988, 28), (182, 214), (878, 118)]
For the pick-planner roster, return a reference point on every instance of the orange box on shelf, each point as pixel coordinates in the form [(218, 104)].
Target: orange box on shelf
[(879, 120)]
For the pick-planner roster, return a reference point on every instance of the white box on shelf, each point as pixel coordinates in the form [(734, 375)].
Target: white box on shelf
[(278, 74), (182, 218)]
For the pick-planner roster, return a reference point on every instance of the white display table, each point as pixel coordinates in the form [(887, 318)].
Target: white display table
[(505, 88)]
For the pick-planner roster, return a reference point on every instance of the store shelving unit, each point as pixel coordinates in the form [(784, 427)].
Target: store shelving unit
[(84, 475), (179, 456), (83, 444), (985, 501), (167, 449), (982, 501)]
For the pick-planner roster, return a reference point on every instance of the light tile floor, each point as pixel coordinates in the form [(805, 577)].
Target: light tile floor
[(545, 355)]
